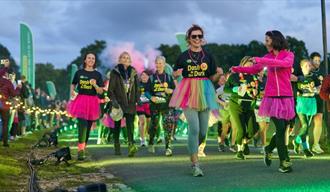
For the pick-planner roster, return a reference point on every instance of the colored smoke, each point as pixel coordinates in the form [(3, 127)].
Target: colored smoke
[(140, 60)]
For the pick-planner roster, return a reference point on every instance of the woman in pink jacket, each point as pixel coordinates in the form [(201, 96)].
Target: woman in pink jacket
[(278, 101)]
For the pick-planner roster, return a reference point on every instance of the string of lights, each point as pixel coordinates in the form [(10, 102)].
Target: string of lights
[(16, 103)]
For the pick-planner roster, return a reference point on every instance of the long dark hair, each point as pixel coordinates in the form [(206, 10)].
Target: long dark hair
[(278, 40), (85, 56)]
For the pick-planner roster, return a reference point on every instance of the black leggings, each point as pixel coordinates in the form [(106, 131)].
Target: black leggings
[(129, 126), (84, 129), (278, 139), (14, 129)]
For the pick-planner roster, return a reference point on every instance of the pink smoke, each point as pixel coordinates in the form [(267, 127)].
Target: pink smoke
[(140, 61)]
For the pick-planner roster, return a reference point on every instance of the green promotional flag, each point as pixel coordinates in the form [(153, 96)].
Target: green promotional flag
[(181, 37), (51, 89), (73, 70), (168, 69), (27, 58)]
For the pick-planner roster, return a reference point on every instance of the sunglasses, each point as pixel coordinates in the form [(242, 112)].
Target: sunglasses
[(195, 36)]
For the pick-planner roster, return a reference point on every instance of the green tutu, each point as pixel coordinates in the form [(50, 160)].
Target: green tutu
[(306, 105)]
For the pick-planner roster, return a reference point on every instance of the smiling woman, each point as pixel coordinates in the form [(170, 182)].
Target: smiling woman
[(278, 102), (195, 94), (85, 104), (124, 92)]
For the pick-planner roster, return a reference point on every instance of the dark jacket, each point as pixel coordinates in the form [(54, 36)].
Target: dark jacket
[(116, 91)]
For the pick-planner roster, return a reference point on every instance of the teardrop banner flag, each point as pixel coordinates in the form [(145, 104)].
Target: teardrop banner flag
[(51, 89), (181, 37), (73, 69), (27, 54)]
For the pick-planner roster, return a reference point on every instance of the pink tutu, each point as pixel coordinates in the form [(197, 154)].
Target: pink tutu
[(84, 107), (279, 107), (108, 121), (143, 109)]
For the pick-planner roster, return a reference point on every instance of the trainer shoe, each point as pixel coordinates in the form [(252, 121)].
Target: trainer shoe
[(221, 147), (168, 152), (81, 155), (267, 158), (246, 150), (308, 153), (151, 149), (317, 149), (285, 167), (262, 150), (240, 155), (142, 144), (197, 171), (201, 153), (233, 149), (132, 149), (159, 141)]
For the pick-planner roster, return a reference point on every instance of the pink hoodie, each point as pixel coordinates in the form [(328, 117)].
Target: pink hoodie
[(278, 72)]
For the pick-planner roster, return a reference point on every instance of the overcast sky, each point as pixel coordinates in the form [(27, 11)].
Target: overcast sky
[(62, 28)]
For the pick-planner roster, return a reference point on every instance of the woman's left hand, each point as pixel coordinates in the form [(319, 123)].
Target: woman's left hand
[(168, 91), (92, 81)]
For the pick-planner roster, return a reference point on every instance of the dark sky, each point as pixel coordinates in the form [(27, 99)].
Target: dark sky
[(62, 28)]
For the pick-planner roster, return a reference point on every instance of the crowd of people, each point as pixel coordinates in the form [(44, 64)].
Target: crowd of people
[(241, 103), (24, 109)]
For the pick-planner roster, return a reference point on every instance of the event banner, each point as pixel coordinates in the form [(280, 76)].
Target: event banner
[(27, 55), (181, 37), (73, 69), (51, 89)]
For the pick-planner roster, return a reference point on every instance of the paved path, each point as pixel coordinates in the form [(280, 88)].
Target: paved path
[(156, 173)]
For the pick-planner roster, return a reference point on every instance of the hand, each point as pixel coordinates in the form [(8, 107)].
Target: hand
[(168, 91), (177, 73), (73, 95), (242, 90), (293, 78), (92, 82), (232, 70), (154, 99), (106, 99)]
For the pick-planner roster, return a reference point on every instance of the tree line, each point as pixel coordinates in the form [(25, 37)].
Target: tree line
[(226, 55)]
